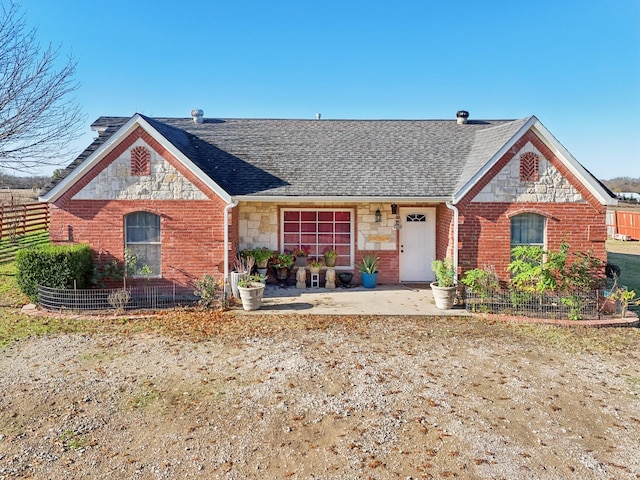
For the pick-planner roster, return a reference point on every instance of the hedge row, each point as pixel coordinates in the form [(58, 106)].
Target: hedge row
[(56, 266)]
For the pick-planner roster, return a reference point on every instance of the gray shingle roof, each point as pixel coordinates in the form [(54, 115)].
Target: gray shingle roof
[(486, 144), (385, 158)]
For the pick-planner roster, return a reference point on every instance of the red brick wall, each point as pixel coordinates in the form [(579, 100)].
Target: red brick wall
[(388, 265), (485, 234), (444, 232), (191, 232)]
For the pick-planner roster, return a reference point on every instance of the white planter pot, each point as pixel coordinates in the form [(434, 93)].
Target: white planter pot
[(443, 296), (251, 296), (234, 278)]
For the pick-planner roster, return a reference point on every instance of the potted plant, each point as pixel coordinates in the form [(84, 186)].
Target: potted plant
[(251, 290), (261, 255), (330, 256), (300, 255), (315, 264), (281, 264), (242, 267), (444, 288), (369, 271)]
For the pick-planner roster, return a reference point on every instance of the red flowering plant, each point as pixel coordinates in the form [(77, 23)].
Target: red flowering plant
[(303, 251)]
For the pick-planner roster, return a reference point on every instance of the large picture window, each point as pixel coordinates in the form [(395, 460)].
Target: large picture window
[(142, 239), (527, 229), (319, 230)]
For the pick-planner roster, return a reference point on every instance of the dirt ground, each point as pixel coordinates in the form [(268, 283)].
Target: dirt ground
[(378, 398)]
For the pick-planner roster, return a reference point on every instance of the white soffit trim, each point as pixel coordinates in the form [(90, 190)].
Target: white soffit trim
[(459, 195), (113, 141), (573, 165), (339, 200)]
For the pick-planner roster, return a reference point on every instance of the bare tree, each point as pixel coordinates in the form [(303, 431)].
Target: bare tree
[(39, 118)]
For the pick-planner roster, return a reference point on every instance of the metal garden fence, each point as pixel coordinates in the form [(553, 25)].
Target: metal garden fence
[(584, 305), (119, 299)]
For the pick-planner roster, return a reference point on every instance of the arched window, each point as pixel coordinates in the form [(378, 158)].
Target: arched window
[(527, 229), (140, 161), (142, 240)]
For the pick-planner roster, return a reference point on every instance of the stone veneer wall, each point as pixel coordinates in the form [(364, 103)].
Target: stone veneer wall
[(259, 225), (115, 182), (374, 236), (506, 186)]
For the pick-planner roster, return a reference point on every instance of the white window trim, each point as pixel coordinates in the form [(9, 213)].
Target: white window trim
[(543, 245), (127, 243), (352, 246)]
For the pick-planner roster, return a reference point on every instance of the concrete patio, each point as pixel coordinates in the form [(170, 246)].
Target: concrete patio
[(382, 300)]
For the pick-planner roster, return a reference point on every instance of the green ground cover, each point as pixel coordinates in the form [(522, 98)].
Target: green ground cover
[(8, 248)]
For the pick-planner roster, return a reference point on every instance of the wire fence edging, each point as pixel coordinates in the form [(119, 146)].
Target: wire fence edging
[(586, 304), (118, 299)]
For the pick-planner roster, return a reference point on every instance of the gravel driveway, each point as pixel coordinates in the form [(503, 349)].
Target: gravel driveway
[(379, 398)]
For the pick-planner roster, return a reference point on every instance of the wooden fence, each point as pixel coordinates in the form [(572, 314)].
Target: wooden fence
[(623, 225), (18, 220)]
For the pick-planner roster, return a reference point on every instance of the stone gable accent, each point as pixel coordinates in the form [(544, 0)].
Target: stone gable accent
[(116, 182), (551, 186)]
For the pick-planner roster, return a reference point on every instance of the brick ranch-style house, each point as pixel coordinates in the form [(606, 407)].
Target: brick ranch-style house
[(186, 194)]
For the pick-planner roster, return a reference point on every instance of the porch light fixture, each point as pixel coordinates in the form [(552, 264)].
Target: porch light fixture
[(394, 208), (378, 216)]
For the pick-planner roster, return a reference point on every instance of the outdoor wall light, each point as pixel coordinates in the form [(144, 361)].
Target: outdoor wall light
[(394, 208), (378, 216)]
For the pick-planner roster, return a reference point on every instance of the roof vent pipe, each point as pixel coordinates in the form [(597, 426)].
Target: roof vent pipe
[(197, 115), (462, 117), (318, 116)]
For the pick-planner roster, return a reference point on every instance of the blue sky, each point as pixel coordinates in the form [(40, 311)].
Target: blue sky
[(573, 64)]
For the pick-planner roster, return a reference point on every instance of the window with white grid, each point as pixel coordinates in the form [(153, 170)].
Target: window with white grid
[(318, 230)]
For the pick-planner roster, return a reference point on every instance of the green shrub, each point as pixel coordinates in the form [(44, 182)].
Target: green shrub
[(209, 290), (445, 273), (572, 273), (56, 266), (484, 282)]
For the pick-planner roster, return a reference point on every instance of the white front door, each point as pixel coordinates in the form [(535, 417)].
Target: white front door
[(417, 244)]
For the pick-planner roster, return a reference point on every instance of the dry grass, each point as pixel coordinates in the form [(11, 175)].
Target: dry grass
[(18, 196)]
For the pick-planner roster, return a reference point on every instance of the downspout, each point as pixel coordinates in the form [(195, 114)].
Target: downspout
[(450, 206), (227, 209)]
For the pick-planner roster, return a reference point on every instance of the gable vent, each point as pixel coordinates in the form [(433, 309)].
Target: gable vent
[(197, 115)]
